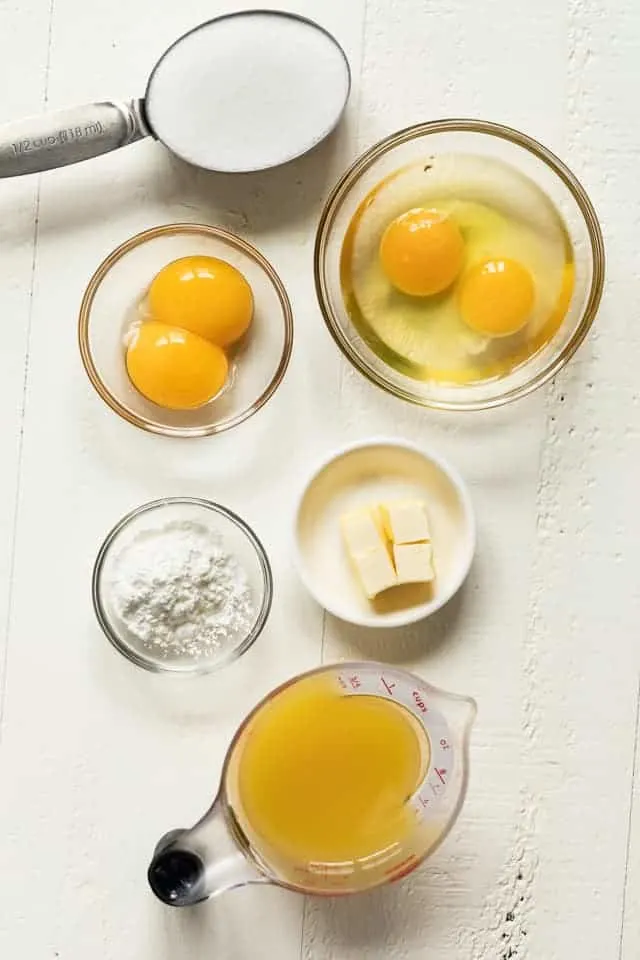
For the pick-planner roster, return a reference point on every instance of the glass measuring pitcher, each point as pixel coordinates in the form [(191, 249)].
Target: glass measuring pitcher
[(340, 780)]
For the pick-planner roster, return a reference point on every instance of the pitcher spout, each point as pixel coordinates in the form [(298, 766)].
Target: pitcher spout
[(189, 866)]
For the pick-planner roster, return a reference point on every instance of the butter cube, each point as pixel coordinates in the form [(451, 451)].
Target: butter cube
[(375, 571), (361, 532), (368, 551), (405, 521), (413, 562)]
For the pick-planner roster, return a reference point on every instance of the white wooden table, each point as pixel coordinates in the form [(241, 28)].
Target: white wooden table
[(97, 758)]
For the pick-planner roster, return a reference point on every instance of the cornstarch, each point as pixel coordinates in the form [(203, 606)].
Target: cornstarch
[(179, 593)]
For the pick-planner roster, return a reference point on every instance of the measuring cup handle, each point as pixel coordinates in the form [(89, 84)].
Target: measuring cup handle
[(68, 136)]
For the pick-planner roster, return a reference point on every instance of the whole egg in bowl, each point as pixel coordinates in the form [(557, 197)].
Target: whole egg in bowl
[(459, 264), (457, 268)]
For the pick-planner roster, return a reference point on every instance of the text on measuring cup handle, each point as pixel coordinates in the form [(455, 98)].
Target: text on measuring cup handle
[(68, 136)]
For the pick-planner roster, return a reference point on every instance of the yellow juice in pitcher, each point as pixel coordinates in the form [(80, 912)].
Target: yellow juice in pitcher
[(324, 778)]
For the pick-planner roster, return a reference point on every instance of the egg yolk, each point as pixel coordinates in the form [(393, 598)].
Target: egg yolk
[(204, 295), (496, 297), (421, 252), (175, 368)]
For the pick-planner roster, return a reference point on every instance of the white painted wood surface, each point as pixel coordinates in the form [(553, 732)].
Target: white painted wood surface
[(97, 759)]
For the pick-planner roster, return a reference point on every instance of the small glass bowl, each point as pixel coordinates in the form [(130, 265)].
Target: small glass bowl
[(238, 539), (462, 136), (112, 303)]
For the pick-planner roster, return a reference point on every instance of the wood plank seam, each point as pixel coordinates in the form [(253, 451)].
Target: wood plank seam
[(634, 769), (4, 666)]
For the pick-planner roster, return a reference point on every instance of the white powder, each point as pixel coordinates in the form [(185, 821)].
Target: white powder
[(248, 92), (178, 592)]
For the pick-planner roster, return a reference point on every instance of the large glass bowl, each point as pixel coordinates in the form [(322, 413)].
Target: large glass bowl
[(115, 296), (421, 142)]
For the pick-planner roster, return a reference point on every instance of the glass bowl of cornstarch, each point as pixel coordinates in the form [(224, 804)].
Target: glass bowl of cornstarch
[(182, 585)]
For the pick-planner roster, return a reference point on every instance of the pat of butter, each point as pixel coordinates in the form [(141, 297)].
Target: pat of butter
[(368, 552), (413, 562), (361, 532), (375, 571), (405, 521)]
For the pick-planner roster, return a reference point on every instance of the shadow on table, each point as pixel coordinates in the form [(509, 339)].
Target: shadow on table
[(372, 921), (402, 645), (201, 462), (251, 922), (262, 202), (147, 177), (218, 701)]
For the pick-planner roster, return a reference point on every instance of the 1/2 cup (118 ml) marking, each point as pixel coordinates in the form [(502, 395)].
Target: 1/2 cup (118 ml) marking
[(68, 135)]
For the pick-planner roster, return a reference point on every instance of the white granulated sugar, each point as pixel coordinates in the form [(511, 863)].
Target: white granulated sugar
[(178, 592), (248, 92)]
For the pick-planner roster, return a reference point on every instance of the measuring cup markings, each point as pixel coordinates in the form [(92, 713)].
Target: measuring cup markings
[(403, 869), (432, 788)]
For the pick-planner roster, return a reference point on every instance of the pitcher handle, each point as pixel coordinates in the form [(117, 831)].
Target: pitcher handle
[(189, 866), (177, 876)]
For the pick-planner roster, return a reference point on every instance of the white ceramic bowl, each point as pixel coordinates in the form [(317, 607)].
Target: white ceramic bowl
[(371, 472)]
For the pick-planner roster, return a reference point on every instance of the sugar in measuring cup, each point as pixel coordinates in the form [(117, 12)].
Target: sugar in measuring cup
[(343, 779), (239, 93)]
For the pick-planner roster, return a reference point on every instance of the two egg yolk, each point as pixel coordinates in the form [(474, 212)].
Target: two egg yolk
[(422, 254), (199, 306)]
